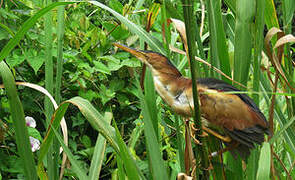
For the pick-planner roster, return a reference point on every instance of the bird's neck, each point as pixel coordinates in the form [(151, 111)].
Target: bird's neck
[(175, 90)]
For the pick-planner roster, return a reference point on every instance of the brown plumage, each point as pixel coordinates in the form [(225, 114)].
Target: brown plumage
[(235, 114)]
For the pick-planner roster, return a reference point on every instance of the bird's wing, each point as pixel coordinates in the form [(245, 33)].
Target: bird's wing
[(249, 133)]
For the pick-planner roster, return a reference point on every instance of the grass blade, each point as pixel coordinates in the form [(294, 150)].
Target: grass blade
[(150, 98), (98, 154), (271, 19), (18, 118), (243, 41), (132, 170), (75, 165), (218, 46), (263, 171), (157, 167)]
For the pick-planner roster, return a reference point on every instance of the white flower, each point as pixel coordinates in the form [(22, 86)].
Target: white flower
[(35, 144), (30, 121)]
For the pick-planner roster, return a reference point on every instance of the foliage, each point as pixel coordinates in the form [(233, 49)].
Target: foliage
[(117, 130)]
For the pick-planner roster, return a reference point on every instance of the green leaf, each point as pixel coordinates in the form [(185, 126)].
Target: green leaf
[(101, 67), (112, 62), (263, 171), (132, 170), (88, 94), (152, 42), (86, 141), (116, 5), (98, 154), (26, 26), (131, 62), (270, 15), (156, 161), (16, 59), (243, 40), (74, 162), (34, 133), (18, 118), (117, 31), (35, 59), (219, 56)]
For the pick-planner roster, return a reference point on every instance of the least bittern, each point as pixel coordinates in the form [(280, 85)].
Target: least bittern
[(236, 115)]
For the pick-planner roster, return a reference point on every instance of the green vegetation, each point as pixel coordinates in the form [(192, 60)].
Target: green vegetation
[(58, 65)]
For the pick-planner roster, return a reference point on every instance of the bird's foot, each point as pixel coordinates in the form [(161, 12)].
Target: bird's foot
[(207, 131), (194, 129)]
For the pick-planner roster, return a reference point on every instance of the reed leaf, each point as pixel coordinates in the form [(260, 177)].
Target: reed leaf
[(218, 47), (243, 40), (18, 118), (98, 154), (263, 171)]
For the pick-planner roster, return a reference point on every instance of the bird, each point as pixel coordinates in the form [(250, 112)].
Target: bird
[(234, 115)]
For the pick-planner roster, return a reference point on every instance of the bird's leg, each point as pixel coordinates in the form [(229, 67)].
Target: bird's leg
[(223, 138), (228, 148), (210, 131), (192, 133)]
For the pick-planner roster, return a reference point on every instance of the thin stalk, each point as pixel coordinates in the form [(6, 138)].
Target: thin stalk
[(200, 47), (288, 12), (259, 27), (60, 35), (180, 141), (271, 124), (52, 163), (167, 35), (190, 25)]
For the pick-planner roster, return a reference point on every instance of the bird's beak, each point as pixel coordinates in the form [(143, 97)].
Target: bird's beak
[(142, 56)]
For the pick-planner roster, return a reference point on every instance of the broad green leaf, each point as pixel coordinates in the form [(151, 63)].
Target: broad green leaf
[(117, 31), (16, 59), (116, 5), (35, 59), (131, 62), (101, 67)]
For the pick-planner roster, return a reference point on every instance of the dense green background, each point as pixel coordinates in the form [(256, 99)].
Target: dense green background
[(115, 129)]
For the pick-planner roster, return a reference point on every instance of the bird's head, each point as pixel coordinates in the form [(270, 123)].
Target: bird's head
[(155, 61)]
